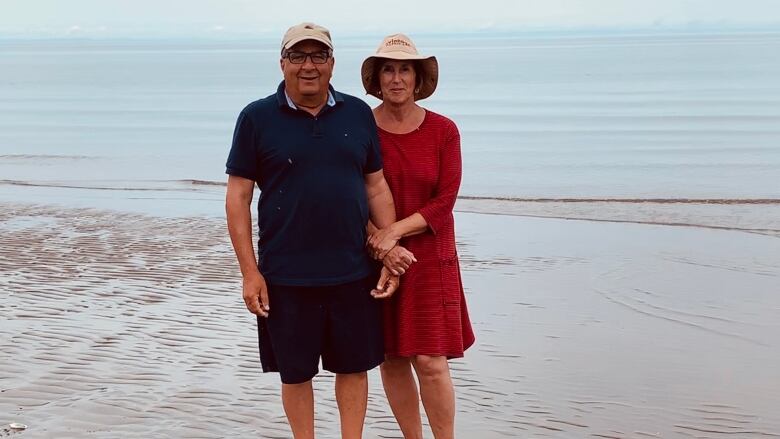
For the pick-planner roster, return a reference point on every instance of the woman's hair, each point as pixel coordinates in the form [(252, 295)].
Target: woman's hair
[(380, 63)]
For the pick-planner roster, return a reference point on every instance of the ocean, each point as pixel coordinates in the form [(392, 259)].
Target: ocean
[(137, 124)]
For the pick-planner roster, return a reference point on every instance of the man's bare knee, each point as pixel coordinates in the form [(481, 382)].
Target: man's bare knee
[(352, 377), (297, 386)]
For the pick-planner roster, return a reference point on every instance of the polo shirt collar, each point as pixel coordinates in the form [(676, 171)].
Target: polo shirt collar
[(284, 99)]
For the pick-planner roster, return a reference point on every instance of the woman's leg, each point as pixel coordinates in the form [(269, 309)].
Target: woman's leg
[(401, 391), (438, 395)]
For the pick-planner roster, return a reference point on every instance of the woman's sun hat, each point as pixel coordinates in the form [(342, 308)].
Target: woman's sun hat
[(400, 47)]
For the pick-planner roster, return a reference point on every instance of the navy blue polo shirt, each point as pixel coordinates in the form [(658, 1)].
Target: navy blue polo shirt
[(312, 210)]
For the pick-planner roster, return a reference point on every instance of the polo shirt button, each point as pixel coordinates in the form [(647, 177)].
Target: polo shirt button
[(289, 160), (278, 208)]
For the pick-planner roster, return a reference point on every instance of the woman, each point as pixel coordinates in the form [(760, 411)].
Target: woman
[(426, 321)]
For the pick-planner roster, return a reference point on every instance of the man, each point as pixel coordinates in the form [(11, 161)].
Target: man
[(314, 154)]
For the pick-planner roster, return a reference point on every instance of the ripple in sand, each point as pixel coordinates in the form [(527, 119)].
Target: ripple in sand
[(121, 325), (128, 326)]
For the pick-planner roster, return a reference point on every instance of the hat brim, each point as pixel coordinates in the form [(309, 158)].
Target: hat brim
[(430, 72)]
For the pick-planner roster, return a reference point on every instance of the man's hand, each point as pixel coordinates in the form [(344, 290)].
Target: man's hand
[(255, 293), (381, 242), (398, 260), (386, 285)]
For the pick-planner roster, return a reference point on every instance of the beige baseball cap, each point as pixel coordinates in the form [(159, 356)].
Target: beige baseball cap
[(401, 47), (306, 31)]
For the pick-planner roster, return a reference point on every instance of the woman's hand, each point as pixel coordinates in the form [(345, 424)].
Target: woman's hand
[(381, 242), (398, 260)]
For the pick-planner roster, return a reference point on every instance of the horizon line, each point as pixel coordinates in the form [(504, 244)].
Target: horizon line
[(222, 34)]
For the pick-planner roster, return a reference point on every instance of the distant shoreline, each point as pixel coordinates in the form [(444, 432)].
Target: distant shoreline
[(364, 37)]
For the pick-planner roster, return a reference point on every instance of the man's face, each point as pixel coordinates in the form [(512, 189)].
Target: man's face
[(307, 79)]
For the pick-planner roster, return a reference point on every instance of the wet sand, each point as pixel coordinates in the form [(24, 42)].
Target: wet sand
[(127, 325)]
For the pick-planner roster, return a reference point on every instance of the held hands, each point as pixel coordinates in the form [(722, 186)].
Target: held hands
[(255, 293), (398, 260), (382, 241), (386, 285)]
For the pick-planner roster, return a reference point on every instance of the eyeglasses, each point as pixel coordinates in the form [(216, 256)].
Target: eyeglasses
[(320, 57)]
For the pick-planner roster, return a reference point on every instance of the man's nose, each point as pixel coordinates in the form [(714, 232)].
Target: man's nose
[(308, 63)]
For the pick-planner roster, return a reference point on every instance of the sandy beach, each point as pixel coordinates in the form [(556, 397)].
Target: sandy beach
[(129, 325)]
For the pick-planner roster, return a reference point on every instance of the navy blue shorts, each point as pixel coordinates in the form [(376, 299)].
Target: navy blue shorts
[(342, 324)]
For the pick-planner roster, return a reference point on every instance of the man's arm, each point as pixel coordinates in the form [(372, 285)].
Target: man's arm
[(238, 203), (381, 208)]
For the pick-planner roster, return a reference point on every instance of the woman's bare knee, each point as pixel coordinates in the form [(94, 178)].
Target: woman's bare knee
[(431, 367)]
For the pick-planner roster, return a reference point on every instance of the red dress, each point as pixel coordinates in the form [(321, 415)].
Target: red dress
[(427, 315)]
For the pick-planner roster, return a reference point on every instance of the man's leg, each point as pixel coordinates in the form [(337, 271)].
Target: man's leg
[(298, 401), (401, 391), (292, 325), (352, 346), (352, 399), (438, 395)]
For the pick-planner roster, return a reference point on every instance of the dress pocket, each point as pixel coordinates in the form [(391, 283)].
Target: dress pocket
[(450, 281)]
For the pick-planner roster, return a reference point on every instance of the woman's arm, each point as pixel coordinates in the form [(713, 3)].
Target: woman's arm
[(439, 208), (414, 224)]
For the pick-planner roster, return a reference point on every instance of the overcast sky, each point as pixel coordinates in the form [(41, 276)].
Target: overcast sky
[(227, 17)]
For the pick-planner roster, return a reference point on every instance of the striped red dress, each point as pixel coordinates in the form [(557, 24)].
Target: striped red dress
[(427, 315)]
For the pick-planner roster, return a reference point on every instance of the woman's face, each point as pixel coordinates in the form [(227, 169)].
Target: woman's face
[(397, 81)]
